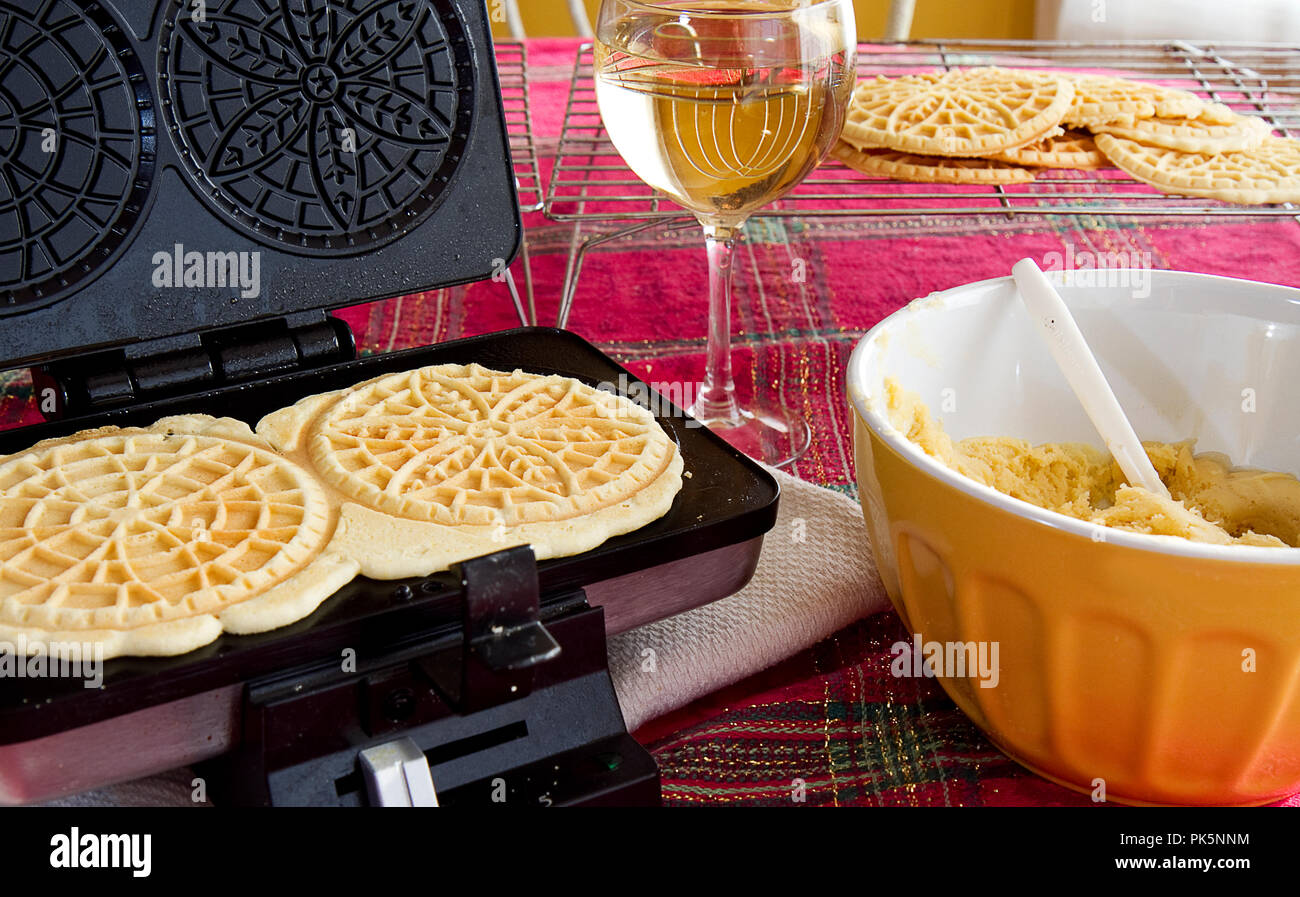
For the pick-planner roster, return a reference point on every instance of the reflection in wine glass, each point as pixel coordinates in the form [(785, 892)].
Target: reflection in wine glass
[(724, 143)]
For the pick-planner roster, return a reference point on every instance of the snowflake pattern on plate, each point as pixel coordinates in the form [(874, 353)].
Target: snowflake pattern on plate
[(76, 147), (325, 126)]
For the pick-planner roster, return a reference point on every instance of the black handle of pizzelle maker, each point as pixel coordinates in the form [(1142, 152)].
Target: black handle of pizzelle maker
[(489, 711)]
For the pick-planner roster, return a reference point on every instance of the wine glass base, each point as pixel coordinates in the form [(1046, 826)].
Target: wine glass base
[(774, 436)]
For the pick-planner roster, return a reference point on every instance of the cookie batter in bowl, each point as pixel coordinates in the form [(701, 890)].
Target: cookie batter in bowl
[(1212, 501)]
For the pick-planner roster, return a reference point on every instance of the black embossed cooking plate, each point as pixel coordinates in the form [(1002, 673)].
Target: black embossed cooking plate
[(77, 148), (357, 147)]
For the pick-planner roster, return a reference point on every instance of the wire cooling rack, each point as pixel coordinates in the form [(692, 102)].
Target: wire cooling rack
[(590, 179), (512, 72), (591, 186)]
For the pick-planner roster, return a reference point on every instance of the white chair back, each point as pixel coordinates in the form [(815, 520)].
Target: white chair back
[(898, 28), (577, 12)]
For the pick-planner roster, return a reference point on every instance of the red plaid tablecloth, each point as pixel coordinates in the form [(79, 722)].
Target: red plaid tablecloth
[(831, 716)]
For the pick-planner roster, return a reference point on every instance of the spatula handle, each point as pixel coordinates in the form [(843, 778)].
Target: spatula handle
[(1080, 368)]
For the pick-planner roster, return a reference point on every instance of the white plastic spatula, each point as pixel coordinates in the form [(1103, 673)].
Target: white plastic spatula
[(1080, 368)]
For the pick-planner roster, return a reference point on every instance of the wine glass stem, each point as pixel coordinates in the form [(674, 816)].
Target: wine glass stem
[(716, 404)]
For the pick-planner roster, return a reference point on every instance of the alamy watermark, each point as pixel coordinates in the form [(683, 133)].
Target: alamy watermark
[(212, 270), (53, 660), (1088, 269), (951, 660), (87, 850), (662, 399)]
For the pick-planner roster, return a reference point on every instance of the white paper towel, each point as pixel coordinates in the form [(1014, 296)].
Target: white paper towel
[(815, 576)]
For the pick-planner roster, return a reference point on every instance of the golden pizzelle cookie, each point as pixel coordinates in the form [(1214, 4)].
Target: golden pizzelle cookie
[(964, 112), (1103, 99), (1073, 149), (444, 463), (1268, 173), (155, 541), (929, 169), (1194, 135)]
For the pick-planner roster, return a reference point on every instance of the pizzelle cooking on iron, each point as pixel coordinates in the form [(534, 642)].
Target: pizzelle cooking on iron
[(155, 540), (225, 499)]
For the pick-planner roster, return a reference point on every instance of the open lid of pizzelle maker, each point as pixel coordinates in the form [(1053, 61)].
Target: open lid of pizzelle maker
[(186, 189), (171, 170)]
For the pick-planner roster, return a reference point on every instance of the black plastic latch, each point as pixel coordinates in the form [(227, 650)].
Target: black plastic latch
[(503, 637), (182, 365)]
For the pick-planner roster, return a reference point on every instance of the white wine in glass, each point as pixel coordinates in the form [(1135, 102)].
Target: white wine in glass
[(725, 105)]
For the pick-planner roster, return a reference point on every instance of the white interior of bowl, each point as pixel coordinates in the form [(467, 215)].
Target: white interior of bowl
[(1189, 356)]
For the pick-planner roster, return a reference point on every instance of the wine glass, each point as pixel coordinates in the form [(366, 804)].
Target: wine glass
[(725, 105)]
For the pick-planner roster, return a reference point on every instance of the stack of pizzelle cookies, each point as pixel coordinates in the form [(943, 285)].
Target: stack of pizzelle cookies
[(155, 540), (997, 126)]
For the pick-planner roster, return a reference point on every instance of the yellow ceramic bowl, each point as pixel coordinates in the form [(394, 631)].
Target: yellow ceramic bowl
[(1145, 668)]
